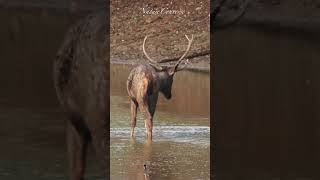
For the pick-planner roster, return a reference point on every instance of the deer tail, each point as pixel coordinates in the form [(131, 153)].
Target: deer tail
[(129, 83), (150, 88)]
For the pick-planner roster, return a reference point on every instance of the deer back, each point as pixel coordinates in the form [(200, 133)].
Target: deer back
[(80, 67)]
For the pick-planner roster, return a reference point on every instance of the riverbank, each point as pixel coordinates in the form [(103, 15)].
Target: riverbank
[(198, 64), (130, 24)]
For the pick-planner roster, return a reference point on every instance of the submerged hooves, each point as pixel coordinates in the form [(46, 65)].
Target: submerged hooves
[(149, 135), (132, 132)]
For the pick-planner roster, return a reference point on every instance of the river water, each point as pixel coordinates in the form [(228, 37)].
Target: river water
[(181, 135)]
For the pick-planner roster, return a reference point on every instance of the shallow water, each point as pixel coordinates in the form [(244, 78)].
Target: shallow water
[(181, 135)]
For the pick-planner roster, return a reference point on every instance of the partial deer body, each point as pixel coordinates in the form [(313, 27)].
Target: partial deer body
[(144, 84), (81, 80)]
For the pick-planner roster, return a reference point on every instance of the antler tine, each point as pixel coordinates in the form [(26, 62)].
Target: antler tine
[(153, 63), (185, 53)]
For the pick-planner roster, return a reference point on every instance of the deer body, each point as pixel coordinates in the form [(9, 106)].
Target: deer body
[(144, 84), (81, 80)]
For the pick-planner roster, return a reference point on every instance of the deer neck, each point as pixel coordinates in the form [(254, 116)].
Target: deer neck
[(163, 79)]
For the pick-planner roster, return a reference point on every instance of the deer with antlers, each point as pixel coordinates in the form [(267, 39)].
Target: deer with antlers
[(144, 84)]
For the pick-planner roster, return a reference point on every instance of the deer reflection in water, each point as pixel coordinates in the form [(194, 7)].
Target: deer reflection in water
[(141, 167)]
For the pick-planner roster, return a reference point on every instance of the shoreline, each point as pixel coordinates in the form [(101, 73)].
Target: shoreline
[(192, 68)]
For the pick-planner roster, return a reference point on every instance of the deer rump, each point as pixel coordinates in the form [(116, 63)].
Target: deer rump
[(81, 78), (141, 78)]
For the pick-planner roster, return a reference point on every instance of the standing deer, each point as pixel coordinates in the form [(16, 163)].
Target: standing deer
[(144, 84)]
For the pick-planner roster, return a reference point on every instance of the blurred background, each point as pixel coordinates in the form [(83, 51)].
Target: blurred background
[(32, 137), (266, 92)]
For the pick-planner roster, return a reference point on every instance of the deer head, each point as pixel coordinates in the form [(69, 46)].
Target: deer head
[(166, 73)]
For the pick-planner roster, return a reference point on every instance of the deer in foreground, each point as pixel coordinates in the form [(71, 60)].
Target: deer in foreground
[(144, 84), (81, 78)]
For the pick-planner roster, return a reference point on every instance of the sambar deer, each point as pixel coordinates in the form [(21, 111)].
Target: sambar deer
[(81, 79), (144, 84)]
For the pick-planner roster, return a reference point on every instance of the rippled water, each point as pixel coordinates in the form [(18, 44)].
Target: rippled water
[(181, 137)]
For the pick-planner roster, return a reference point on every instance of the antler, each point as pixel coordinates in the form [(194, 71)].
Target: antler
[(152, 62), (185, 53)]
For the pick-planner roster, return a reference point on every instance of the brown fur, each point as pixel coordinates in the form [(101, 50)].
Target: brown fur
[(81, 80), (143, 86)]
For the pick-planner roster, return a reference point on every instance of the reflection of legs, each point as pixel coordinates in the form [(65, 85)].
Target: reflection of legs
[(77, 146), (147, 150), (133, 116)]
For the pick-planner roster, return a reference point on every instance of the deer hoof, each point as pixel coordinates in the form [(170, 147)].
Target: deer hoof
[(149, 135), (132, 132)]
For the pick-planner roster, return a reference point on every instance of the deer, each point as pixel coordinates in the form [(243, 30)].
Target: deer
[(81, 81), (144, 84)]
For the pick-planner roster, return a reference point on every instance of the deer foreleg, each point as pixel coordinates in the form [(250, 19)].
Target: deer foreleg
[(77, 146)]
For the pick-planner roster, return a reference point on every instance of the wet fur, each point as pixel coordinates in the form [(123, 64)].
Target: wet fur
[(143, 86)]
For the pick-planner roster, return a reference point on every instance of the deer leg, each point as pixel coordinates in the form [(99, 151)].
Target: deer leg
[(153, 104), (133, 116), (98, 124), (100, 142), (77, 147), (144, 108), (149, 125)]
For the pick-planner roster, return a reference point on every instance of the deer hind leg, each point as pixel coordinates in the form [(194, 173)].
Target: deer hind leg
[(133, 116), (77, 142), (153, 104), (144, 108)]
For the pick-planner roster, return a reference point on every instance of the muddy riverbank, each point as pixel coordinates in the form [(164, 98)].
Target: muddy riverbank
[(129, 24)]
